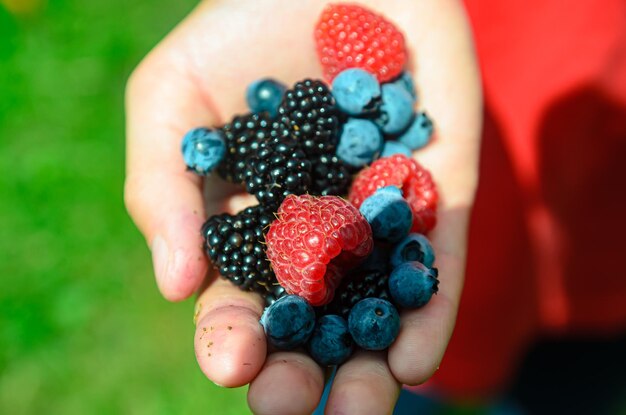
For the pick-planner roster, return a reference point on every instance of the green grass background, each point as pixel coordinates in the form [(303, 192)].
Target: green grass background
[(83, 329)]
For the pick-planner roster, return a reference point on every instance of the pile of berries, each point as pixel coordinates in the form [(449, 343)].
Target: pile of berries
[(336, 243)]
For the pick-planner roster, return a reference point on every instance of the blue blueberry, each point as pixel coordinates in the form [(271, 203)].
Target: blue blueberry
[(265, 95), (203, 150), (412, 284), (415, 247), (396, 110), (288, 322), (388, 214), (360, 142), (406, 81), (394, 147), (331, 343), (419, 132), (356, 92), (374, 323)]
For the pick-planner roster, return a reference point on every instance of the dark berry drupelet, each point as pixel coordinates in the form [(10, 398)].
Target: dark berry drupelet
[(236, 245), (309, 111), (243, 136), (354, 288), (330, 176), (278, 168)]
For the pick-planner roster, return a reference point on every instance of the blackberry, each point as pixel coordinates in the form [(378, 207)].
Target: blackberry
[(310, 113), (276, 292), (236, 245), (330, 176), (242, 138), (279, 168), (355, 287)]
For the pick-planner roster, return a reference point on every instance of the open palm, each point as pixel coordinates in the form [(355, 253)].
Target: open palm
[(197, 76)]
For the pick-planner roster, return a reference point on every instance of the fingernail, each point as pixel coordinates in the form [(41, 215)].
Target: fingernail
[(160, 259)]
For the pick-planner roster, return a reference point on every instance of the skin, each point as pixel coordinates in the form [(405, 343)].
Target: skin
[(197, 77)]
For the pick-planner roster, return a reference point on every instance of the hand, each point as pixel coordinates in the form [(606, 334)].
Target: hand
[(197, 77)]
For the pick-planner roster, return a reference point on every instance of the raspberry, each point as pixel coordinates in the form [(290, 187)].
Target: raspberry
[(415, 181), (350, 36), (313, 241)]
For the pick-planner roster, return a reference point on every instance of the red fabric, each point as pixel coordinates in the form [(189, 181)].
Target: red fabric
[(547, 235)]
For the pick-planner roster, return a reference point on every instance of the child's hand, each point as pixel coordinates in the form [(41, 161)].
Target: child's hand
[(197, 76)]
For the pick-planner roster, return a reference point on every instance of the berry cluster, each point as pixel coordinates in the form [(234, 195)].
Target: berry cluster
[(336, 243)]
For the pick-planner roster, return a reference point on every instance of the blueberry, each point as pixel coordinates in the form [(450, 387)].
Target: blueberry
[(415, 247), (203, 150), (396, 111), (406, 81), (388, 214), (265, 95), (288, 322), (360, 142), (331, 343), (412, 284), (419, 132), (394, 147), (374, 323), (356, 92)]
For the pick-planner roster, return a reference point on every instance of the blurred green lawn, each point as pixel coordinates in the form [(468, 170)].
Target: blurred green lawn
[(83, 329)]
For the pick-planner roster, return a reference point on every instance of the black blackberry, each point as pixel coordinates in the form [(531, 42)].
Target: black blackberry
[(236, 245), (242, 138), (330, 176), (309, 111), (276, 292), (278, 168), (355, 287)]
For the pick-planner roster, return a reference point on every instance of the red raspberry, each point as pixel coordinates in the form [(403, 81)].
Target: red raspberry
[(313, 241), (415, 181), (350, 36)]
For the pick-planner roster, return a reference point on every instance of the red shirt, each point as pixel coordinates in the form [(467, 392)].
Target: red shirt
[(547, 250)]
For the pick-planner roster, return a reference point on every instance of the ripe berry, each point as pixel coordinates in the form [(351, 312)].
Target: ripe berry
[(329, 176), (396, 110), (278, 168), (265, 95), (374, 323), (412, 284), (203, 150), (308, 111), (395, 147), (236, 246), (288, 322), (351, 36), (419, 132), (331, 343), (415, 181), (243, 136), (313, 241), (356, 92), (415, 247), (406, 81), (388, 214), (361, 142), (367, 280)]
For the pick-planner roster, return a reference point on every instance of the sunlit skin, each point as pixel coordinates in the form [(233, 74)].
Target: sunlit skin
[(197, 77)]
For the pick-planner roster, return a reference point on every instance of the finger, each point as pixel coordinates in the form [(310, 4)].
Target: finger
[(424, 333), (364, 385), (164, 200), (229, 340), (290, 383)]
